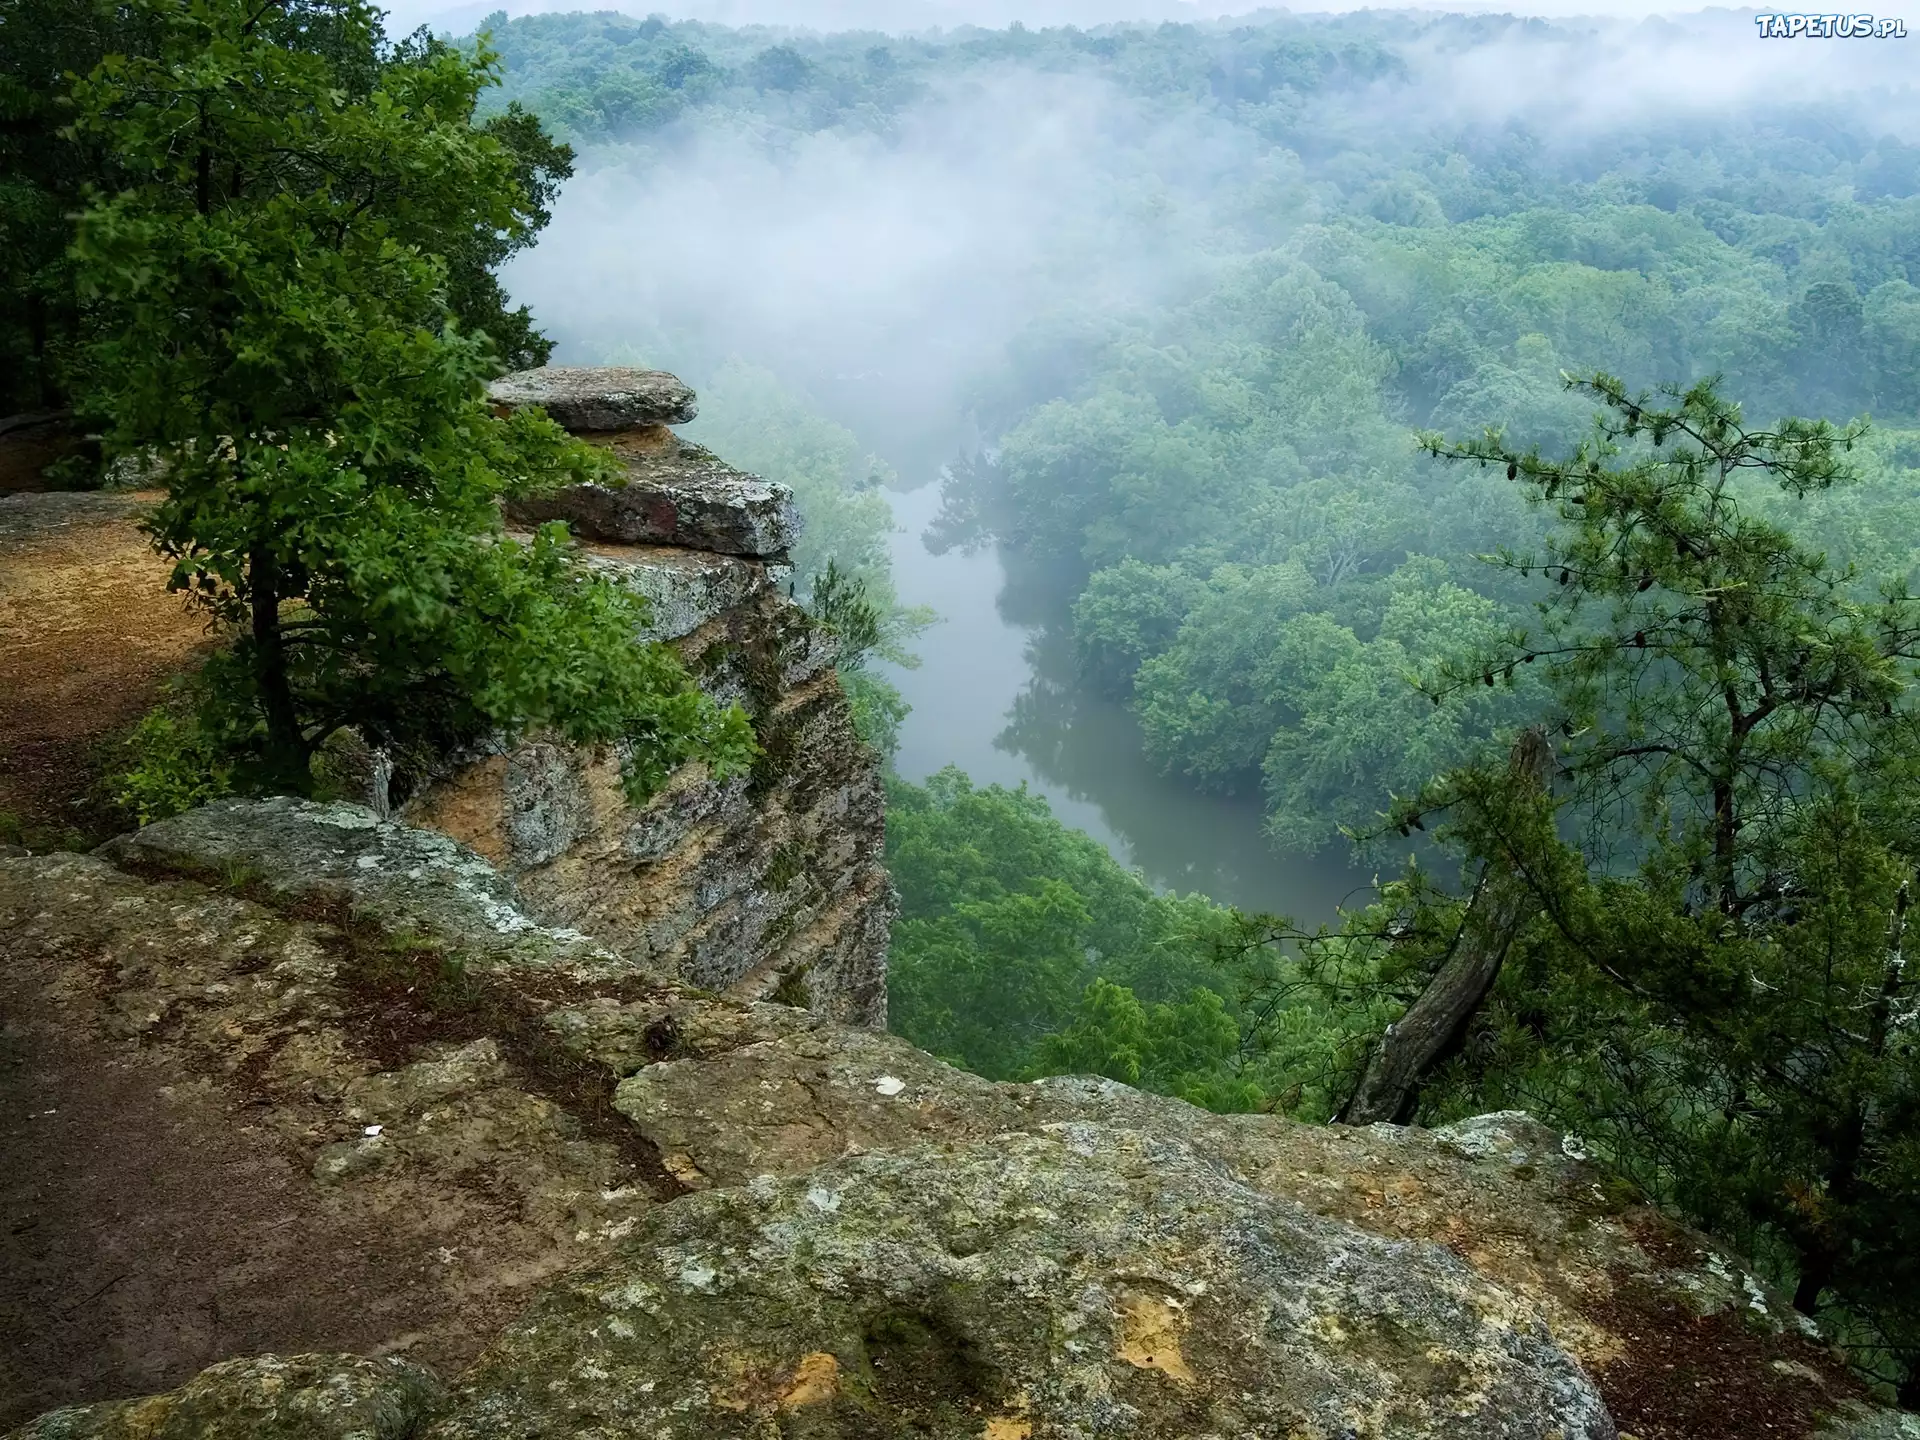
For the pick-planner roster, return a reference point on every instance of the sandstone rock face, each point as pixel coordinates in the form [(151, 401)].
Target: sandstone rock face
[(1080, 1281), (748, 1219), (765, 885), (598, 397), (683, 495)]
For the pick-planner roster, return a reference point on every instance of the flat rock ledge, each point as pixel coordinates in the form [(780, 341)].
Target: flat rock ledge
[(1081, 1281), (398, 879), (298, 1397), (598, 397), (682, 495), (674, 492)]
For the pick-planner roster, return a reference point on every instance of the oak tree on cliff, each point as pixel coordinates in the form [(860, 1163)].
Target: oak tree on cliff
[(274, 331)]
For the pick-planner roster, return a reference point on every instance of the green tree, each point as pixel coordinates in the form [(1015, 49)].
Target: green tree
[(1127, 614), (1007, 917), (274, 328), (1707, 977), (860, 629), (48, 166), (42, 174)]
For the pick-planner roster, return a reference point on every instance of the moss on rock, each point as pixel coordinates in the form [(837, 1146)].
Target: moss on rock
[(1078, 1281)]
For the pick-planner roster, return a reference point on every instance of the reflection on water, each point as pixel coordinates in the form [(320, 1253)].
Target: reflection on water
[(997, 700)]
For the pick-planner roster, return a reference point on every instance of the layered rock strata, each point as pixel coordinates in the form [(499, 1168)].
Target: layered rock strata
[(755, 1221), (768, 884)]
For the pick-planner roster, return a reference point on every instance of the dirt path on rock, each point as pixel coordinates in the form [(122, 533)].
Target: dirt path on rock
[(186, 1174), (151, 1224), (88, 633)]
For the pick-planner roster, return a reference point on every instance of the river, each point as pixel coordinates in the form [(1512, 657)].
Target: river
[(989, 699)]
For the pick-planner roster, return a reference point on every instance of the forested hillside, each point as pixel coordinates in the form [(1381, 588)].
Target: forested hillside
[(1171, 303)]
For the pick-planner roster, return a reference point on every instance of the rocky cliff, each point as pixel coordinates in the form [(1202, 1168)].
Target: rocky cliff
[(604, 1202), (767, 884)]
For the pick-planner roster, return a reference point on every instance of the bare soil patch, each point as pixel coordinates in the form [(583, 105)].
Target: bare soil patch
[(88, 634), (1726, 1376), (155, 1219)]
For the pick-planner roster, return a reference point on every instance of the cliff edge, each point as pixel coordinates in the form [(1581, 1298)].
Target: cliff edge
[(490, 1104), (612, 1203)]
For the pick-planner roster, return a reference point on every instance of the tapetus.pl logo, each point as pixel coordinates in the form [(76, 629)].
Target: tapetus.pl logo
[(1830, 27)]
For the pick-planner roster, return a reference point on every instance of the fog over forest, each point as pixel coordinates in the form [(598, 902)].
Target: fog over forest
[(911, 255), (924, 240)]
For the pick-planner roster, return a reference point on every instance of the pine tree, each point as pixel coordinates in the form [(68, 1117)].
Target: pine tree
[(1708, 974)]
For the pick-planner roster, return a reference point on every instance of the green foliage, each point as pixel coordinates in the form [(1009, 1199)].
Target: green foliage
[(39, 838), (1711, 987), (1127, 614), (274, 328), (1353, 270), (878, 711), (841, 558), (839, 602), (1021, 944), (49, 168), (174, 762), (1188, 1049)]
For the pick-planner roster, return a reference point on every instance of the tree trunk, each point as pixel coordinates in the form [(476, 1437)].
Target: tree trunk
[(1436, 1022), (1822, 1251), (286, 747)]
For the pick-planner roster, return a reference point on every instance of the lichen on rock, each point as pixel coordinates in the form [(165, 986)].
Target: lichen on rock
[(399, 878), (598, 397), (266, 1397), (681, 495), (1079, 1281)]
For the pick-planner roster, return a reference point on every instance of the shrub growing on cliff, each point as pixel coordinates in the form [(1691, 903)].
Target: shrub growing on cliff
[(274, 324)]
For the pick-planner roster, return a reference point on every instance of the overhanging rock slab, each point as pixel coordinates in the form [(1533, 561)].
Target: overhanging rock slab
[(598, 397), (682, 495)]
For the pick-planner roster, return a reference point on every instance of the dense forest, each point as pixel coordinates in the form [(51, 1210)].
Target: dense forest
[(1275, 357)]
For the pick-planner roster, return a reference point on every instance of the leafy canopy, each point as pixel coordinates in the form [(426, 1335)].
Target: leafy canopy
[(275, 332)]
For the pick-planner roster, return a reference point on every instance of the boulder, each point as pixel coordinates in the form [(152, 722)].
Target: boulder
[(267, 1397), (402, 880), (1079, 1281), (1676, 1326), (598, 397)]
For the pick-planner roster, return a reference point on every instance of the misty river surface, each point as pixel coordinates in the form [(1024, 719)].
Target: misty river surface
[(983, 702)]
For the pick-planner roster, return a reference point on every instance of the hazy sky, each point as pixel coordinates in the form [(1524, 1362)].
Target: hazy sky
[(924, 14)]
